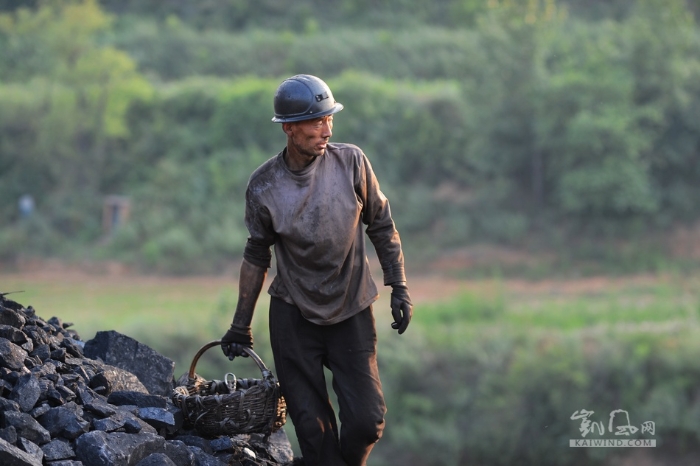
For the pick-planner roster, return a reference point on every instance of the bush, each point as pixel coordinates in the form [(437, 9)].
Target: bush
[(503, 396)]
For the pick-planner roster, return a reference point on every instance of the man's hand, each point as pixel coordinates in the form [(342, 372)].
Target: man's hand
[(236, 338), (401, 306)]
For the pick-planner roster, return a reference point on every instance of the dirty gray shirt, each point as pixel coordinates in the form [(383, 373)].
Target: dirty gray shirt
[(314, 218)]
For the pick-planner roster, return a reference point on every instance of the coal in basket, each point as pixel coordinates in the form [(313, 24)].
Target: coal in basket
[(232, 406)]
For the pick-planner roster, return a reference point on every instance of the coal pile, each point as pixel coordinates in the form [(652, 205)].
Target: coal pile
[(104, 402)]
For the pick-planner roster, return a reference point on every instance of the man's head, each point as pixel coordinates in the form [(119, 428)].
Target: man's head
[(304, 104), (303, 97)]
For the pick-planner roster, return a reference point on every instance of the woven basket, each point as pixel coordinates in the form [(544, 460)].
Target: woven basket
[(231, 406)]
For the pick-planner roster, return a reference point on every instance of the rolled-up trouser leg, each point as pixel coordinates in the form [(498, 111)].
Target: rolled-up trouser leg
[(299, 353)]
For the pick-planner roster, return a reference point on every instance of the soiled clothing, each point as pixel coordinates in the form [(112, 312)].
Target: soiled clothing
[(349, 349), (314, 217)]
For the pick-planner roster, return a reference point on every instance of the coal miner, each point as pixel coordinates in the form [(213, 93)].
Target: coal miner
[(311, 202)]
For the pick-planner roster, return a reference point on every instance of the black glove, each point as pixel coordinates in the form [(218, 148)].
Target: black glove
[(401, 307), (236, 338)]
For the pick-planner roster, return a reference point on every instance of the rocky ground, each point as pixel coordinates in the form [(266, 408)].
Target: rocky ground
[(106, 402)]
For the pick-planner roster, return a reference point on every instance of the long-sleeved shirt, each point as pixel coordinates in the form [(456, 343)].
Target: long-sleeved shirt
[(314, 218)]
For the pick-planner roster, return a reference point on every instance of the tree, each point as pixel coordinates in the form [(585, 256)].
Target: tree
[(75, 95)]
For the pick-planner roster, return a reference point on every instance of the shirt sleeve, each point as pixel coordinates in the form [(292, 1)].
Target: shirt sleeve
[(376, 214), (261, 234)]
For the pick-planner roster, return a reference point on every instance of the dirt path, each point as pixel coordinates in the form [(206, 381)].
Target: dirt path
[(428, 287)]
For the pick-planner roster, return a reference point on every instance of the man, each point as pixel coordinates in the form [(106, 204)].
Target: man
[(310, 202)]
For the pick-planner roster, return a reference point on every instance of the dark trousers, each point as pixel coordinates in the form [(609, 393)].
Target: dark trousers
[(349, 349)]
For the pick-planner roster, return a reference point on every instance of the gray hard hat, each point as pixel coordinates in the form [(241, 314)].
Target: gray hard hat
[(303, 97)]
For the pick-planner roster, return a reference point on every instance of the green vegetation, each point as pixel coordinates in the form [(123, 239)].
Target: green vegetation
[(494, 377), (530, 124)]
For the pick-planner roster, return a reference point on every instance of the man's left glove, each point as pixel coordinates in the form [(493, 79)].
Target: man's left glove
[(236, 338), (401, 307)]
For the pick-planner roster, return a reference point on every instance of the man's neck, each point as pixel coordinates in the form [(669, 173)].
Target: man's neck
[(297, 162)]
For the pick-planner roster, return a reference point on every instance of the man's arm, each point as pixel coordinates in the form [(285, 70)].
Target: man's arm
[(250, 284), (382, 232)]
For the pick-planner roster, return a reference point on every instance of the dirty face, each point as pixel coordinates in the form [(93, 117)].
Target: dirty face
[(307, 139)]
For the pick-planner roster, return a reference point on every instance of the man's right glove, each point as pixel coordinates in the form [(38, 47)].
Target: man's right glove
[(236, 338), (401, 307)]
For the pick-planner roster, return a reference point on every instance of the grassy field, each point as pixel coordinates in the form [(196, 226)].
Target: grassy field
[(573, 304), (164, 310), (201, 307)]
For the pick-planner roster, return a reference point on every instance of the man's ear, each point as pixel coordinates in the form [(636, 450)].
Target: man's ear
[(287, 128)]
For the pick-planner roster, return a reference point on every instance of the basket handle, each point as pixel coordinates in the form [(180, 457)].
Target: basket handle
[(261, 365)]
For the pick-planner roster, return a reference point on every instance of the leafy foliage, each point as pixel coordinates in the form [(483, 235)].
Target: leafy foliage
[(485, 121), (492, 379), (63, 117)]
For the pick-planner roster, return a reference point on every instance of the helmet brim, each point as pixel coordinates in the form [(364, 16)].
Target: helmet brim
[(308, 116)]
